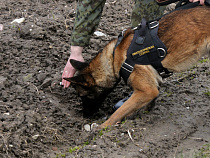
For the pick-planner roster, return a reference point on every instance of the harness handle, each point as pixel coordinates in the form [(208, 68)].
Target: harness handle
[(142, 31)]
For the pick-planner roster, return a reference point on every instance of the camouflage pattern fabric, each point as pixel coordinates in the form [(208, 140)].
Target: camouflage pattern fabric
[(147, 9), (89, 12), (87, 18)]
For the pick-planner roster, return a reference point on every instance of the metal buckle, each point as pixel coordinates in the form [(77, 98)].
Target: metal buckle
[(153, 24), (163, 52)]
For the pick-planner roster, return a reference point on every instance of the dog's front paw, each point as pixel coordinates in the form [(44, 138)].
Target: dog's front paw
[(103, 126), (96, 128)]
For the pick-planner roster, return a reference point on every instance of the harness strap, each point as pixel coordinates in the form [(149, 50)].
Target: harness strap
[(139, 37), (160, 48), (142, 31), (145, 49), (120, 37)]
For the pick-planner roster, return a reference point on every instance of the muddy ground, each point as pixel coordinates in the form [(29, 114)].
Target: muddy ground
[(40, 119)]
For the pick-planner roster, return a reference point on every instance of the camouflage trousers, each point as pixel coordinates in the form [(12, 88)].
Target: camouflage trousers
[(89, 12)]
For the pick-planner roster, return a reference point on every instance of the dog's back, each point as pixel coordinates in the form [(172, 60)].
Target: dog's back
[(186, 34)]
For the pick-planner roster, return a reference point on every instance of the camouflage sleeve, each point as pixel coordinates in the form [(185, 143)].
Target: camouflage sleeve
[(87, 18), (145, 9), (89, 12)]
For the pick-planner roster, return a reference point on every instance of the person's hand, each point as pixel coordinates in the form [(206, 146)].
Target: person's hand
[(69, 70), (201, 1)]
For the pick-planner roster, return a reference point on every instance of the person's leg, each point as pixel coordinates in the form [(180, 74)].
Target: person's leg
[(147, 9)]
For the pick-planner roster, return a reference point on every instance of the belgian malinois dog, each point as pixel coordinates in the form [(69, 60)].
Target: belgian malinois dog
[(185, 33)]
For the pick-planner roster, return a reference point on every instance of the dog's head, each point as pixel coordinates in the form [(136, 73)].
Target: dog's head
[(92, 95)]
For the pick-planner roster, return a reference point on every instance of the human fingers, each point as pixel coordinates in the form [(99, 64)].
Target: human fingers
[(64, 82), (68, 72), (201, 1)]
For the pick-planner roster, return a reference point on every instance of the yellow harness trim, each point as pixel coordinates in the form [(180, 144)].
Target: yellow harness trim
[(143, 51)]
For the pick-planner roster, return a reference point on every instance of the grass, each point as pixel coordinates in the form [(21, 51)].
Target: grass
[(101, 133), (204, 152), (71, 150), (124, 121), (205, 60), (207, 93), (168, 94), (86, 143), (76, 148)]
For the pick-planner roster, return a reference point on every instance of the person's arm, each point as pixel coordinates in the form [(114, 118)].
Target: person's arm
[(87, 18), (69, 70), (201, 1)]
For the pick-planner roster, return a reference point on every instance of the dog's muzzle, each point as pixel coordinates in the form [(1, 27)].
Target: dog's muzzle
[(90, 106)]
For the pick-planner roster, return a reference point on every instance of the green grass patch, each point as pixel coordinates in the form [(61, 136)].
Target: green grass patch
[(204, 152), (86, 143), (207, 93), (205, 60), (101, 133), (71, 150)]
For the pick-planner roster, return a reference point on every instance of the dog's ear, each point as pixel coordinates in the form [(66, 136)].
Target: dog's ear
[(84, 80), (78, 65)]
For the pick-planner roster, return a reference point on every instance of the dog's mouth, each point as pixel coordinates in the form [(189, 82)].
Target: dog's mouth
[(90, 106)]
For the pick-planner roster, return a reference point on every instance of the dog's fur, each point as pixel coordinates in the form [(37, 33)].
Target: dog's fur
[(185, 33)]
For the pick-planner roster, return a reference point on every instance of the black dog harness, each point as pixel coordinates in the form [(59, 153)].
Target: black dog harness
[(146, 48)]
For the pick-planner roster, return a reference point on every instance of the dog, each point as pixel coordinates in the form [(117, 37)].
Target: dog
[(186, 35)]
